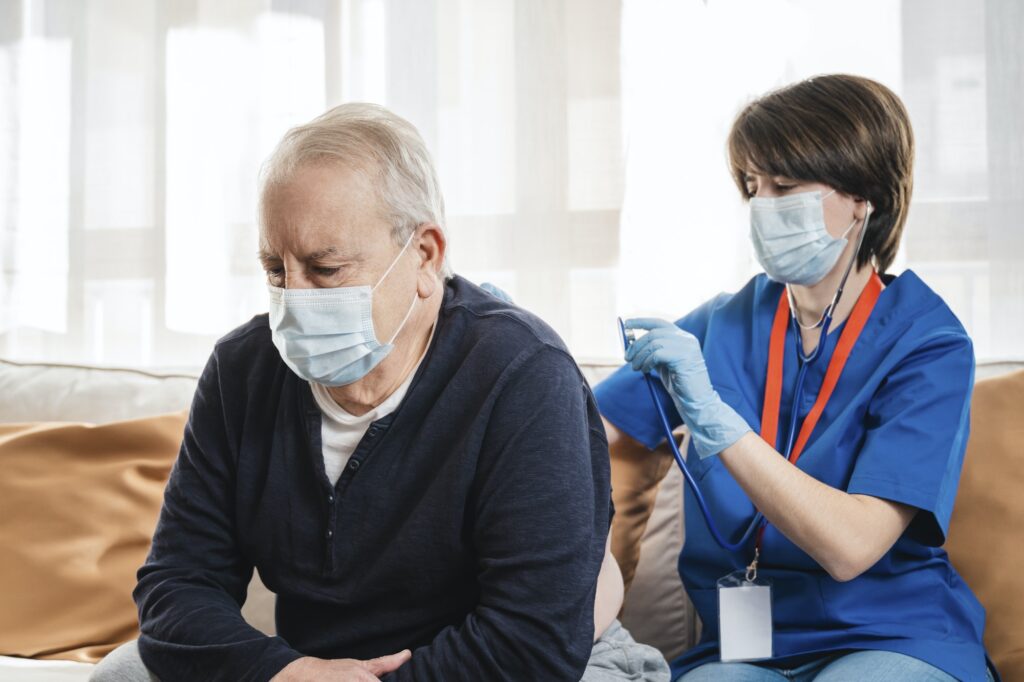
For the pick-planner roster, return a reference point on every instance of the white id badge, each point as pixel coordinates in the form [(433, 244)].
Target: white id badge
[(744, 618)]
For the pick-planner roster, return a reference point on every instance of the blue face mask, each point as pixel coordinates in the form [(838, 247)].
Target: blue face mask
[(326, 335), (790, 238)]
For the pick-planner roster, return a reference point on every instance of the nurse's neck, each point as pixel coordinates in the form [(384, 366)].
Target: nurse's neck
[(811, 301)]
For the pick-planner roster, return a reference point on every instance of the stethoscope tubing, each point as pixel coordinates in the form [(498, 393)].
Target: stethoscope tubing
[(758, 520), (692, 482)]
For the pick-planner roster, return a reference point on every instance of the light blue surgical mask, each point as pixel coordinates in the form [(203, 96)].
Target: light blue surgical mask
[(790, 239), (326, 335)]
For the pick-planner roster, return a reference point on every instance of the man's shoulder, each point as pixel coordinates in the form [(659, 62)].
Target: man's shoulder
[(501, 330), (249, 344), (256, 330), (499, 338)]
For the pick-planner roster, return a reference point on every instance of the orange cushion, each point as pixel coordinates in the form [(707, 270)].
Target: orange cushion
[(986, 536), (79, 504)]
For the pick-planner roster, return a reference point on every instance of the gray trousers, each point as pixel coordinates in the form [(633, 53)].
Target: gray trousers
[(615, 657), (123, 664)]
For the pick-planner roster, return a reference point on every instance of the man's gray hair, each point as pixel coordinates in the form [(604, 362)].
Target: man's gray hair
[(369, 138)]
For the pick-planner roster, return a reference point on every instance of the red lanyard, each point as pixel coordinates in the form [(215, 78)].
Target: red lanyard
[(776, 353)]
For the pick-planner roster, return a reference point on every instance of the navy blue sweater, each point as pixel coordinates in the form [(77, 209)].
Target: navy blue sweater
[(469, 524)]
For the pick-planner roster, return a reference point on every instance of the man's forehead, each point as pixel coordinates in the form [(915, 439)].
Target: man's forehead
[(320, 212), (320, 242), (313, 250)]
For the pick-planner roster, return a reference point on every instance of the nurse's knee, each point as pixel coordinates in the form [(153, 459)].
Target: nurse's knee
[(123, 664), (881, 666)]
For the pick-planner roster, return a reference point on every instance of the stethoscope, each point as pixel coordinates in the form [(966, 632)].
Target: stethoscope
[(627, 340), (806, 360)]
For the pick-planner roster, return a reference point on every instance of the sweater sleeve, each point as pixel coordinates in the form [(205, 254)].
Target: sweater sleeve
[(193, 584), (541, 506)]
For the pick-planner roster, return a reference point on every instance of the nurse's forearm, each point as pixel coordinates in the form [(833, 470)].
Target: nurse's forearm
[(846, 534)]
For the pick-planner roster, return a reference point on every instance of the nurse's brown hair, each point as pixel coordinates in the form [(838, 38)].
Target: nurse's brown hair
[(847, 132)]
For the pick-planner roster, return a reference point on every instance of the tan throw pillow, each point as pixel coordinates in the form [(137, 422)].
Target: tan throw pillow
[(78, 505), (657, 610), (635, 479), (986, 535)]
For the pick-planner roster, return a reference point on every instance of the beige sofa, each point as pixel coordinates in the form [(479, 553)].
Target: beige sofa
[(649, 526)]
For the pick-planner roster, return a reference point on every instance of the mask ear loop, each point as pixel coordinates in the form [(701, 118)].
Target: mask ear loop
[(853, 259), (827, 313), (394, 262), (408, 314), (415, 294), (848, 228)]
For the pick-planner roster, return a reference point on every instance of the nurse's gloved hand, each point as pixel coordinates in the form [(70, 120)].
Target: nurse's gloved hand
[(677, 358), (496, 291)]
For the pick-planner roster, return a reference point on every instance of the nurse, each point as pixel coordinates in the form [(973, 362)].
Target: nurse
[(828, 395)]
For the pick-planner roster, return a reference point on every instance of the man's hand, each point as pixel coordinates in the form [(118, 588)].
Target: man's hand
[(342, 669)]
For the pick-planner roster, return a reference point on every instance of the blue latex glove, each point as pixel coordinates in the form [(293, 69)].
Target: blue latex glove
[(497, 292), (677, 358)]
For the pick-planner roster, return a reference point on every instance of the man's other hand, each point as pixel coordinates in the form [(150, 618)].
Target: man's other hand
[(342, 669)]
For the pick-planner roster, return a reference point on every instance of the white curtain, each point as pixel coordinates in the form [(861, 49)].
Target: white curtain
[(131, 132), (580, 145)]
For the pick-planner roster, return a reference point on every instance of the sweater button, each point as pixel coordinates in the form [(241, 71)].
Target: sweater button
[(330, 498), (354, 465), (330, 534)]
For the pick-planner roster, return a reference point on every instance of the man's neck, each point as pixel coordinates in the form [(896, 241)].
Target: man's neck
[(366, 394)]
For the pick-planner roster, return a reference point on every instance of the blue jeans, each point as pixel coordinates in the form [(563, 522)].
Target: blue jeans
[(859, 666)]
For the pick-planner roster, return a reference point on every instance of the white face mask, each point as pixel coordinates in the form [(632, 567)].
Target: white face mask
[(790, 238), (326, 335)]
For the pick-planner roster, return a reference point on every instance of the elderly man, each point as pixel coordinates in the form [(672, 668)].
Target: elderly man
[(416, 467)]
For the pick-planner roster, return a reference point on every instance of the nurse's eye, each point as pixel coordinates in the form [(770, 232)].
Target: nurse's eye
[(275, 275), (325, 271)]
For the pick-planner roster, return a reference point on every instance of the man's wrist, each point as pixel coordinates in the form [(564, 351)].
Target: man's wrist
[(293, 669)]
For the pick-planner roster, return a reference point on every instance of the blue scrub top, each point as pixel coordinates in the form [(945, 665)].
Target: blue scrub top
[(896, 428)]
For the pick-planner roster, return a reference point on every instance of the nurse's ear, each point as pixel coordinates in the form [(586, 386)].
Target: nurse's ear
[(861, 208)]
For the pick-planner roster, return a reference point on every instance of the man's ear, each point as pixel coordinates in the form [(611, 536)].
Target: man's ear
[(431, 246)]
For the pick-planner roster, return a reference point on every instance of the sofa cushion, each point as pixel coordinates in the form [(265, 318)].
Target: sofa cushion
[(96, 395), (31, 670), (986, 536), (79, 504)]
